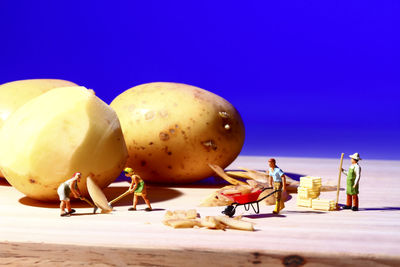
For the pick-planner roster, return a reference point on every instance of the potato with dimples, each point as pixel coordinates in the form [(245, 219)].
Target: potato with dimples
[(173, 131)]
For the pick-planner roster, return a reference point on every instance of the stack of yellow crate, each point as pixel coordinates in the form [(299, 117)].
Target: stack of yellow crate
[(310, 188), (323, 204), (314, 183), (304, 202)]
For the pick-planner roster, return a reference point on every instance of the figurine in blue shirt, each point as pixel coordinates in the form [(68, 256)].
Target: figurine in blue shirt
[(278, 179)]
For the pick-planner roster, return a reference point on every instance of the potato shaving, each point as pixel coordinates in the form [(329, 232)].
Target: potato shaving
[(181, 223), (181, 214), (237, 224), (211, 223), (189, 219)]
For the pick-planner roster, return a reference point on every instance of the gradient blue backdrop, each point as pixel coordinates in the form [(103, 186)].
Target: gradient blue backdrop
[(310, 79)]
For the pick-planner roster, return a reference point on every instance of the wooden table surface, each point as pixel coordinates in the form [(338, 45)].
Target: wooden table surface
[(33, 233)]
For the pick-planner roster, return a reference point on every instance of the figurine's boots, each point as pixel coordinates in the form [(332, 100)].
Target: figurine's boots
[(281, 205), (277, 207)]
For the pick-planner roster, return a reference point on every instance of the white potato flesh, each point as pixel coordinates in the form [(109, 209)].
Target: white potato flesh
[(15, 94), (63, 131)]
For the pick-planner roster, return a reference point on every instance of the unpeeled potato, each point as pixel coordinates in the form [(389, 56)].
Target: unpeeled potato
[(174, 130), (15, 94)]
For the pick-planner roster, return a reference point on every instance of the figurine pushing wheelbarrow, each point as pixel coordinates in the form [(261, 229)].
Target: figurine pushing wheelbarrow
[(244, 193)]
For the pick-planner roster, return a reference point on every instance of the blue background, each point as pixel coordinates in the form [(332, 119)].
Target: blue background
[(311, 79)]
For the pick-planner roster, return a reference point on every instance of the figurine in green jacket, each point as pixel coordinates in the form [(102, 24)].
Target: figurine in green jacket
[(353, 179), (138, 188)]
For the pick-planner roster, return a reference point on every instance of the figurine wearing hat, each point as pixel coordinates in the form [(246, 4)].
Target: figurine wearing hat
[(65, 190), (353, 179), (138, 188), (278, 178)]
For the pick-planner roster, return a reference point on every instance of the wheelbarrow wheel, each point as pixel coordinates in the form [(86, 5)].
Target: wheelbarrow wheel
[(229, 211)]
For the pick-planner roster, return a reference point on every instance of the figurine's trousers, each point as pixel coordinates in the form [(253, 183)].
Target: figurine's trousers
[(278, 186), (352, 199), (278, 196)]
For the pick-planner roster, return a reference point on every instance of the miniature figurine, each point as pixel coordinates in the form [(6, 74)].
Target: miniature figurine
[(138, 188), (64, 191), (279, 182), (353, 179)]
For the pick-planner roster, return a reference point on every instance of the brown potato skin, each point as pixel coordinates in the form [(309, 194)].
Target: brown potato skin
[(174, 130)]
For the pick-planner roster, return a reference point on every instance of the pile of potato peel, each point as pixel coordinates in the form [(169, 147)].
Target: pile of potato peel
[(254, 180)]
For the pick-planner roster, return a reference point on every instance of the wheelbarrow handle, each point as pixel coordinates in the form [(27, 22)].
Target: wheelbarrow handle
[(273, 192)]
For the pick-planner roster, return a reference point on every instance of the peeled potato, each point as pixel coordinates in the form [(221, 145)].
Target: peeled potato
[(63, 131), (15, 94), (173, 131)]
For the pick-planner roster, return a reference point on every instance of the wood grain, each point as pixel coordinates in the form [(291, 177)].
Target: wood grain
[(33, 233), (26, 254)]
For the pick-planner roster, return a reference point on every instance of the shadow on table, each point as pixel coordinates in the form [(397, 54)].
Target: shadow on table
[(51, 205), (374, 209), (155, 194), (304, 211), (3, 182), (264, 215), (380, 209), (85, 214), (210, 182)]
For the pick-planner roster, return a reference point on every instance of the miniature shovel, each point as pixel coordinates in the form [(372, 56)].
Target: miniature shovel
[(338, 185), (90, 203), (119, 197)]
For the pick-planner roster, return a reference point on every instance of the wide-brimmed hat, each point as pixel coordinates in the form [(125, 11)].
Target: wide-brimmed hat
[(355, 156)]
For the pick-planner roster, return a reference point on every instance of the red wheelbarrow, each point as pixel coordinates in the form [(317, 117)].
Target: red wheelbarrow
[(246, 200)]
